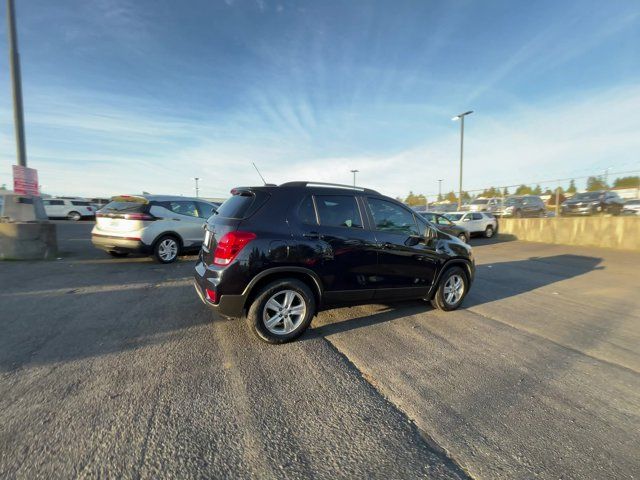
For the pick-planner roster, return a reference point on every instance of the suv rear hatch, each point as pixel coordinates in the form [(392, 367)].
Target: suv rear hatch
[(123, 215), (243, 203)]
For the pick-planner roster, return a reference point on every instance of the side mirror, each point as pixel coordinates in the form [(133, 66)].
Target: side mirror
[(466, 219)]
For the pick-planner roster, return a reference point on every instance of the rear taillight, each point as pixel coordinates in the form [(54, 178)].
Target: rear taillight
[(230, 245), (90, 209), (211, 295)]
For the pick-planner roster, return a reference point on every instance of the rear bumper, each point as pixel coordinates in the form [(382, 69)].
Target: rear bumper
[(230, 306), (119, 244)]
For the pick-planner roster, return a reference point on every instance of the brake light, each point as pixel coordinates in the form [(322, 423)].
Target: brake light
[(230, 245), (211, 295), (90, 209)]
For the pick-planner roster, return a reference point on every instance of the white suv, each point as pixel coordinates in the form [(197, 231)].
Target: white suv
[(67, 208), (475, 222), (164, 226)]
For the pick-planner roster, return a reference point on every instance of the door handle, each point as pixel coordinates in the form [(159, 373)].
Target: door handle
[(312, 236)]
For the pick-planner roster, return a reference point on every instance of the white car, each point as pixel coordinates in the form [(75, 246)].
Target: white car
[(475, 222), (66, 208), (631, 207), (162, 225)]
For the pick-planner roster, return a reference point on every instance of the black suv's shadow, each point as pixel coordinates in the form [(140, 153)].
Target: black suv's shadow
[(493, 282)]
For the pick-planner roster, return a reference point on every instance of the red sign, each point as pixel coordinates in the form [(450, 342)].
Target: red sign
[(25, 180)]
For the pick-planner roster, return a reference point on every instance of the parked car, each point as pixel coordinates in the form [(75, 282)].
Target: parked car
[(592, 203), (278, 254), (164, 226), (482, 205), (475, 222), (631, 207), (66, 208), (447, 226), (521, 206)]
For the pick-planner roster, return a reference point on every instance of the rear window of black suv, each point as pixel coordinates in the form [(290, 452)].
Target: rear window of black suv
[(242, 203)]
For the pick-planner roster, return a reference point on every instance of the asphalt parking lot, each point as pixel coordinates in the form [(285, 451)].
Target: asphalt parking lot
[(112, 367)]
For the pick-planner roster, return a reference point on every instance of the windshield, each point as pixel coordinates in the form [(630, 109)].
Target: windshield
[(482, 201), (454, 217), (587, 196)]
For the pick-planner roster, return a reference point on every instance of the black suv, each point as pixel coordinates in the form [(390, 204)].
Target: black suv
[(278, 254), (593, 203)]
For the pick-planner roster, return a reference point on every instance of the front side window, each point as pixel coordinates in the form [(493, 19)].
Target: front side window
[(338, 211), (389, 217), (443, 221), (56, 202)]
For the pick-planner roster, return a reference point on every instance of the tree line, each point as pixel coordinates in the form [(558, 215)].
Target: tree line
[(594, 183)]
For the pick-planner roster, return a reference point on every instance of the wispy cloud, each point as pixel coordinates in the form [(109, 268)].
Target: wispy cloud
[(105, 148)]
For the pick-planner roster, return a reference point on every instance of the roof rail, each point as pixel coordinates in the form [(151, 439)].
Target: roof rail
[(325, 184)]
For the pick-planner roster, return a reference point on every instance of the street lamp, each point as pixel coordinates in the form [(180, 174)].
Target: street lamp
[(354, 177), (196, 179), (461, 118), (16, 81), (440, 189)]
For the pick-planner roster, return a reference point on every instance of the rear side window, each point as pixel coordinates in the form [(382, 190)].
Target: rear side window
[(307, 212), (338, 211), (389, 217), (477, 216), (181, 208), (242, 204), (205, 210), (80, 204)]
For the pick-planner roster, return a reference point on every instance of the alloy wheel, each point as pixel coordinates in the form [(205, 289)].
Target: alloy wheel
[(453, 289), (284, 312), (168, 249)]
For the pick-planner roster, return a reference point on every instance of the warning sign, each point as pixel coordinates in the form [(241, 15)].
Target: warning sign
[(25, 180)]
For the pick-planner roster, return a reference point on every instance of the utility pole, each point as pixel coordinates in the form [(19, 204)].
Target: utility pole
[(354, 177), (461, 118), (196, 179), (440, 189), (14, 60)]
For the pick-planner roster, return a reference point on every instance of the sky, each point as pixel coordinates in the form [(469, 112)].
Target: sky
[(125, 96)]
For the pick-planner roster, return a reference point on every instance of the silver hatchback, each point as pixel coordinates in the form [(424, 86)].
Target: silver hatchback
[(164, 226)]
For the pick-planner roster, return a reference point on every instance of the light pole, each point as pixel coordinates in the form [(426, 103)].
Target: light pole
[(14, 60), (440, 189), (461, 118), (354, 177), (196, 179)]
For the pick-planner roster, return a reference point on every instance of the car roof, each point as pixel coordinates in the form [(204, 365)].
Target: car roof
[(164, 198)]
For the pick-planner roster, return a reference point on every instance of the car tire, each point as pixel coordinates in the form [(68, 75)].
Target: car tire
[(444, 298), (463, 237), (166, 249), (280, 296), (115, 254), (489, 231), (518, 214), (74, 216)]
